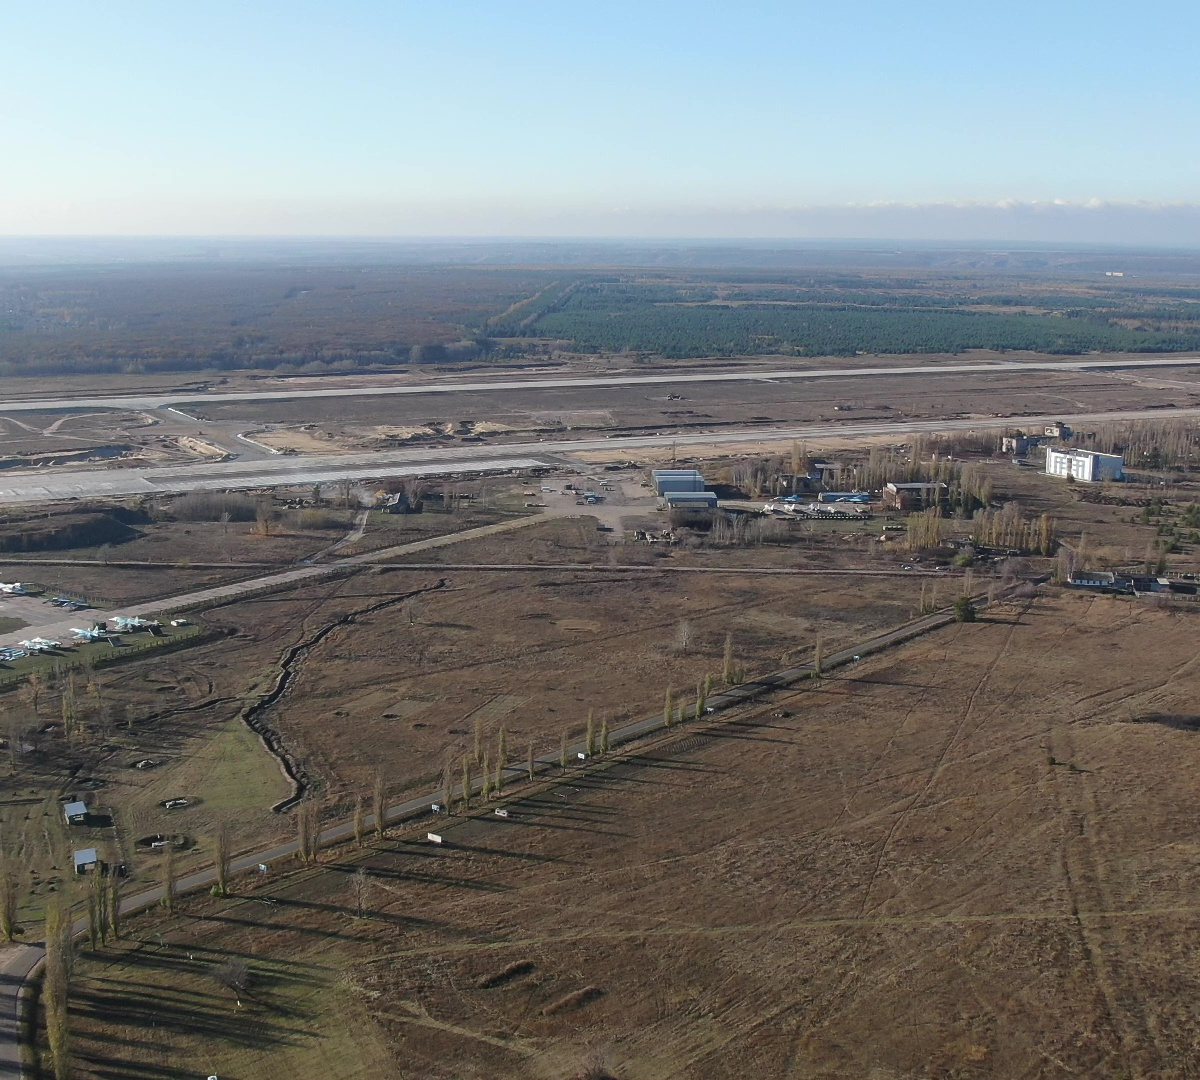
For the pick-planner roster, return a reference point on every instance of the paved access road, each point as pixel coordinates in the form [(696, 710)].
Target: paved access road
[(58, 626), (451, 386), (16, 962), (44, 485), (297, 470)]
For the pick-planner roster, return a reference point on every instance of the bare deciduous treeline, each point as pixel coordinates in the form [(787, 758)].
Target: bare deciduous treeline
[(1147, 444)]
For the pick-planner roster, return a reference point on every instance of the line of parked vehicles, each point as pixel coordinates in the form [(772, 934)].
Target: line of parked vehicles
[(101, 631)]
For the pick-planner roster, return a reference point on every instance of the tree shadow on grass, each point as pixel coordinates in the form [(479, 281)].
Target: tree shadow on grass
[(1176, 721), (748, 735), (258, 1022), (193, 959), (258, 1017), (562, 807), (447, 880), (660, 763), (268, 927), (503, 853)]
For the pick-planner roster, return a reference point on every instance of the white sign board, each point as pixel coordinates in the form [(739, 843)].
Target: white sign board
[(433, 838), (501, 813)]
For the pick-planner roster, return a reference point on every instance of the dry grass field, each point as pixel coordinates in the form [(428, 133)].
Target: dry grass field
[(973, 857), (363, 423), (186, 556), (405, 689), (398, 667), (392, 668)]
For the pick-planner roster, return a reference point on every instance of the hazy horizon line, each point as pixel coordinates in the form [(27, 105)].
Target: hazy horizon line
[(969, 243), (997, 222)]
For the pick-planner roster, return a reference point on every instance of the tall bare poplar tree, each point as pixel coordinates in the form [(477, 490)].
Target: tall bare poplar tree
[(302, 833), (379, 804), (55, 986), (312, 811), (168, 900), (8, 897), (114, 906), (223, 853)]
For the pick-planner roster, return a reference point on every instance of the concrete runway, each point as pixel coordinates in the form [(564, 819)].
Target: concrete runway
[(45, 485), (451, 386)]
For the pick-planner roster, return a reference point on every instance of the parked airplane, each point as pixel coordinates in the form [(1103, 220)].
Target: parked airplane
[(93, 634), (12, 654), (127, 622), (12, 588), (39, 644)]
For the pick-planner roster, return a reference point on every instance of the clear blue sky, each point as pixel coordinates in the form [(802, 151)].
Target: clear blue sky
[(623, 118)]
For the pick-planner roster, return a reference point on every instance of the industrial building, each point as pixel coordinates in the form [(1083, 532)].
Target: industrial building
[(1132, 584), (1020, 445), (691, 500), (908, 497), (691, 508), (669, 480), (1093, 579), (1085, 465)]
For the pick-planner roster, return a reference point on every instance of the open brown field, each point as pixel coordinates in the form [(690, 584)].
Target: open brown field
[(99, 440), (390, 668), (398, 667), (18, 387), (365, 423), (406, 688), (165, 558), (974, 857)]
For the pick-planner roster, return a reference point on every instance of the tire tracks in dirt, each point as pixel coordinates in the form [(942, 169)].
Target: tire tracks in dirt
[(917, 800), (1087, 890)]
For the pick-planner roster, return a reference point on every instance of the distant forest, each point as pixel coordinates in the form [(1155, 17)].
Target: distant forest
[(146, 319), (197, 318), (844, 316)]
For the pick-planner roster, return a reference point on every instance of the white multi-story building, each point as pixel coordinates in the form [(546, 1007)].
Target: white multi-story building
[(1085, 465)]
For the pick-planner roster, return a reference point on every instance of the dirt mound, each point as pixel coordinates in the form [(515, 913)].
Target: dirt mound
[(506, 975)]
